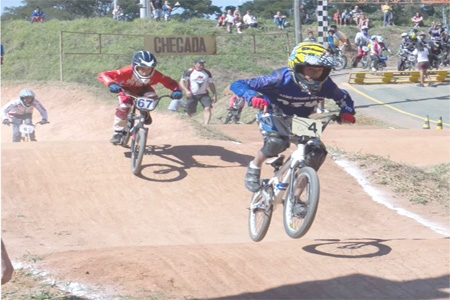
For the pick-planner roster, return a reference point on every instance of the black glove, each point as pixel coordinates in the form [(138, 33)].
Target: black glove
[(176, 95), (114, 88), (43, 121), (6, 122)]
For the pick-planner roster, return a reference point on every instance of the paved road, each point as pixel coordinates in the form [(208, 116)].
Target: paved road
[(401, 105)]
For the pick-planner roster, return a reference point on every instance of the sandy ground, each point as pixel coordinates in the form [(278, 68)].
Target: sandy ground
[(180, 229)]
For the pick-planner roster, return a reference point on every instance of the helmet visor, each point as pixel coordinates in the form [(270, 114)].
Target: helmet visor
[(144, 71), (28, 99)]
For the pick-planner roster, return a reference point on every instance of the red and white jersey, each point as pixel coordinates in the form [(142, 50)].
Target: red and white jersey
[(126, 79), (198, 80), (375, 49), (16, 108)]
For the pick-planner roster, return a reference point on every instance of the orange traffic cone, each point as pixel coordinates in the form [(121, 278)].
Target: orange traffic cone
[(426, 125), (439, 124)]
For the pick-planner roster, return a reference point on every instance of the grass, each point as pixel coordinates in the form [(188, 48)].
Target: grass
[(32, 55)]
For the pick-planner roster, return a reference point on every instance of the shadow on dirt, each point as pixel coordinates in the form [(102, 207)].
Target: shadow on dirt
[(352, 248), (181, 158), (355, 286)]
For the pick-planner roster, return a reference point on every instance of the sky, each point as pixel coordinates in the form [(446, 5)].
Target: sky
[(220, 3)]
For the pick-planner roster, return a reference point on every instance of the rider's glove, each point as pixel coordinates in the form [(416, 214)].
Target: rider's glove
[(176, 95), (43, 121), (345, 117), (259, 102), (6, 122), (114, 88)]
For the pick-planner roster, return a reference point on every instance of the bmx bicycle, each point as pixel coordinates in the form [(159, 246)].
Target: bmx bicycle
[(293, 179), (135, 131), (26, 131)]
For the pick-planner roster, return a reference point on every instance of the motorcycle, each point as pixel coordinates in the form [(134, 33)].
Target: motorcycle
[(407, 60)]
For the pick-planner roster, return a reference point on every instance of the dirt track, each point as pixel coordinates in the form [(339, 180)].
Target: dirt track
[(181, 228)]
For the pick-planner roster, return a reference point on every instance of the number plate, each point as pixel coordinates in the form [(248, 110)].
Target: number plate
[(306, 127), (146, 103), (26, 129)]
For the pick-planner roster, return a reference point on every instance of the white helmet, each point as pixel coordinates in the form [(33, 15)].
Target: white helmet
[(404, 34), (26, 93), (374, 37), (380, 39)]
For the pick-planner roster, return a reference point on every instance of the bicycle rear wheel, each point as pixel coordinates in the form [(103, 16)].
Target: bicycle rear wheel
[(365, 62), (300, 207), (341, 62), (138, 144), (259, 215)]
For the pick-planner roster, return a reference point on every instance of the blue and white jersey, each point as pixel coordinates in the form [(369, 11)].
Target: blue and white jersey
[(280, 89)]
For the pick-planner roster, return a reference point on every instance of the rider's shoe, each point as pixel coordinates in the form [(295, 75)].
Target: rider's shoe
[(319, 111), (252, 179), (300, 208), (148, 119), (116, 138)]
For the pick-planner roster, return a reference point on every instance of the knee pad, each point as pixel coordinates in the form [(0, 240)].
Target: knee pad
[(122, 112), (274, 145), (315, 155)]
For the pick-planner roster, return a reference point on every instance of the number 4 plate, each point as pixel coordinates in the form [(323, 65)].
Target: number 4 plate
[(306, 127)]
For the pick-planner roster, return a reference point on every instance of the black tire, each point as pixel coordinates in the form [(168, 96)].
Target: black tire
[(227, 119), (365, 62), (259, 216), (306, 182), (341, 62), (401, 65), (138, 150)]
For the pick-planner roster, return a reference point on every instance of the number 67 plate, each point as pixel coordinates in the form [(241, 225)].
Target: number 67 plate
[(306, 127)]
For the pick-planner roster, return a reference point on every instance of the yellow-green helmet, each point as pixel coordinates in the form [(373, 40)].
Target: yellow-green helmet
[(312, 55)]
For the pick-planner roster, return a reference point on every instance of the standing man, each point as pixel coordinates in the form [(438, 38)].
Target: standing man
[(156, 6), (387, 10), (195, 82)]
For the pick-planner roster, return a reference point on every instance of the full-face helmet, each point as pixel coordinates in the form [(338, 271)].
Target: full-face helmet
[(143, 59), (26, 97), (308, 54)]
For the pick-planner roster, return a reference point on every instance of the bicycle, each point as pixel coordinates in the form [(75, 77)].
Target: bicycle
[(26, 130), (293, 179), (137, 132), (234, 112), (340, 58)]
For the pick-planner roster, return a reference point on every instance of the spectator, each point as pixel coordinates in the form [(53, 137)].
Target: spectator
[(250, 20), (20, 111), (337, 17), (279, 20), (417, 20), (387, 13), (355, 14), (421, 52), (345, 17), (167, 11), (195, 82), (304, 16), (332, 40), (37, 15), (2, 50), (229, 20), (136, 79), (435, 30), (363, 21), (156, 6), (222, 20), (310, 37), (7, 267), (238, 22), (361, 40), (118, 13)]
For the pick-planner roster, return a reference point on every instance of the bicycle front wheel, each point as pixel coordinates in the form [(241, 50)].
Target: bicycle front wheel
[(341, 62), (138, 144), (365, 62), (259, 216), (301, 204)]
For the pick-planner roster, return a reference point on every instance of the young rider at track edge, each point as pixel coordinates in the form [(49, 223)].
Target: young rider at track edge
[(21, 111), (136, 79), (296, 90)]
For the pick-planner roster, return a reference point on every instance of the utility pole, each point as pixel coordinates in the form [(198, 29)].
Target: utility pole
[(297, 22)]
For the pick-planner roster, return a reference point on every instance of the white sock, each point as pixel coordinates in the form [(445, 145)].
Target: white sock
[(252, 165)]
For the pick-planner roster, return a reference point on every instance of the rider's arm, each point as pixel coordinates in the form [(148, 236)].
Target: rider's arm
[(41, 109), (340, 96), (255, 86), (115, 76), (166, 81)]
